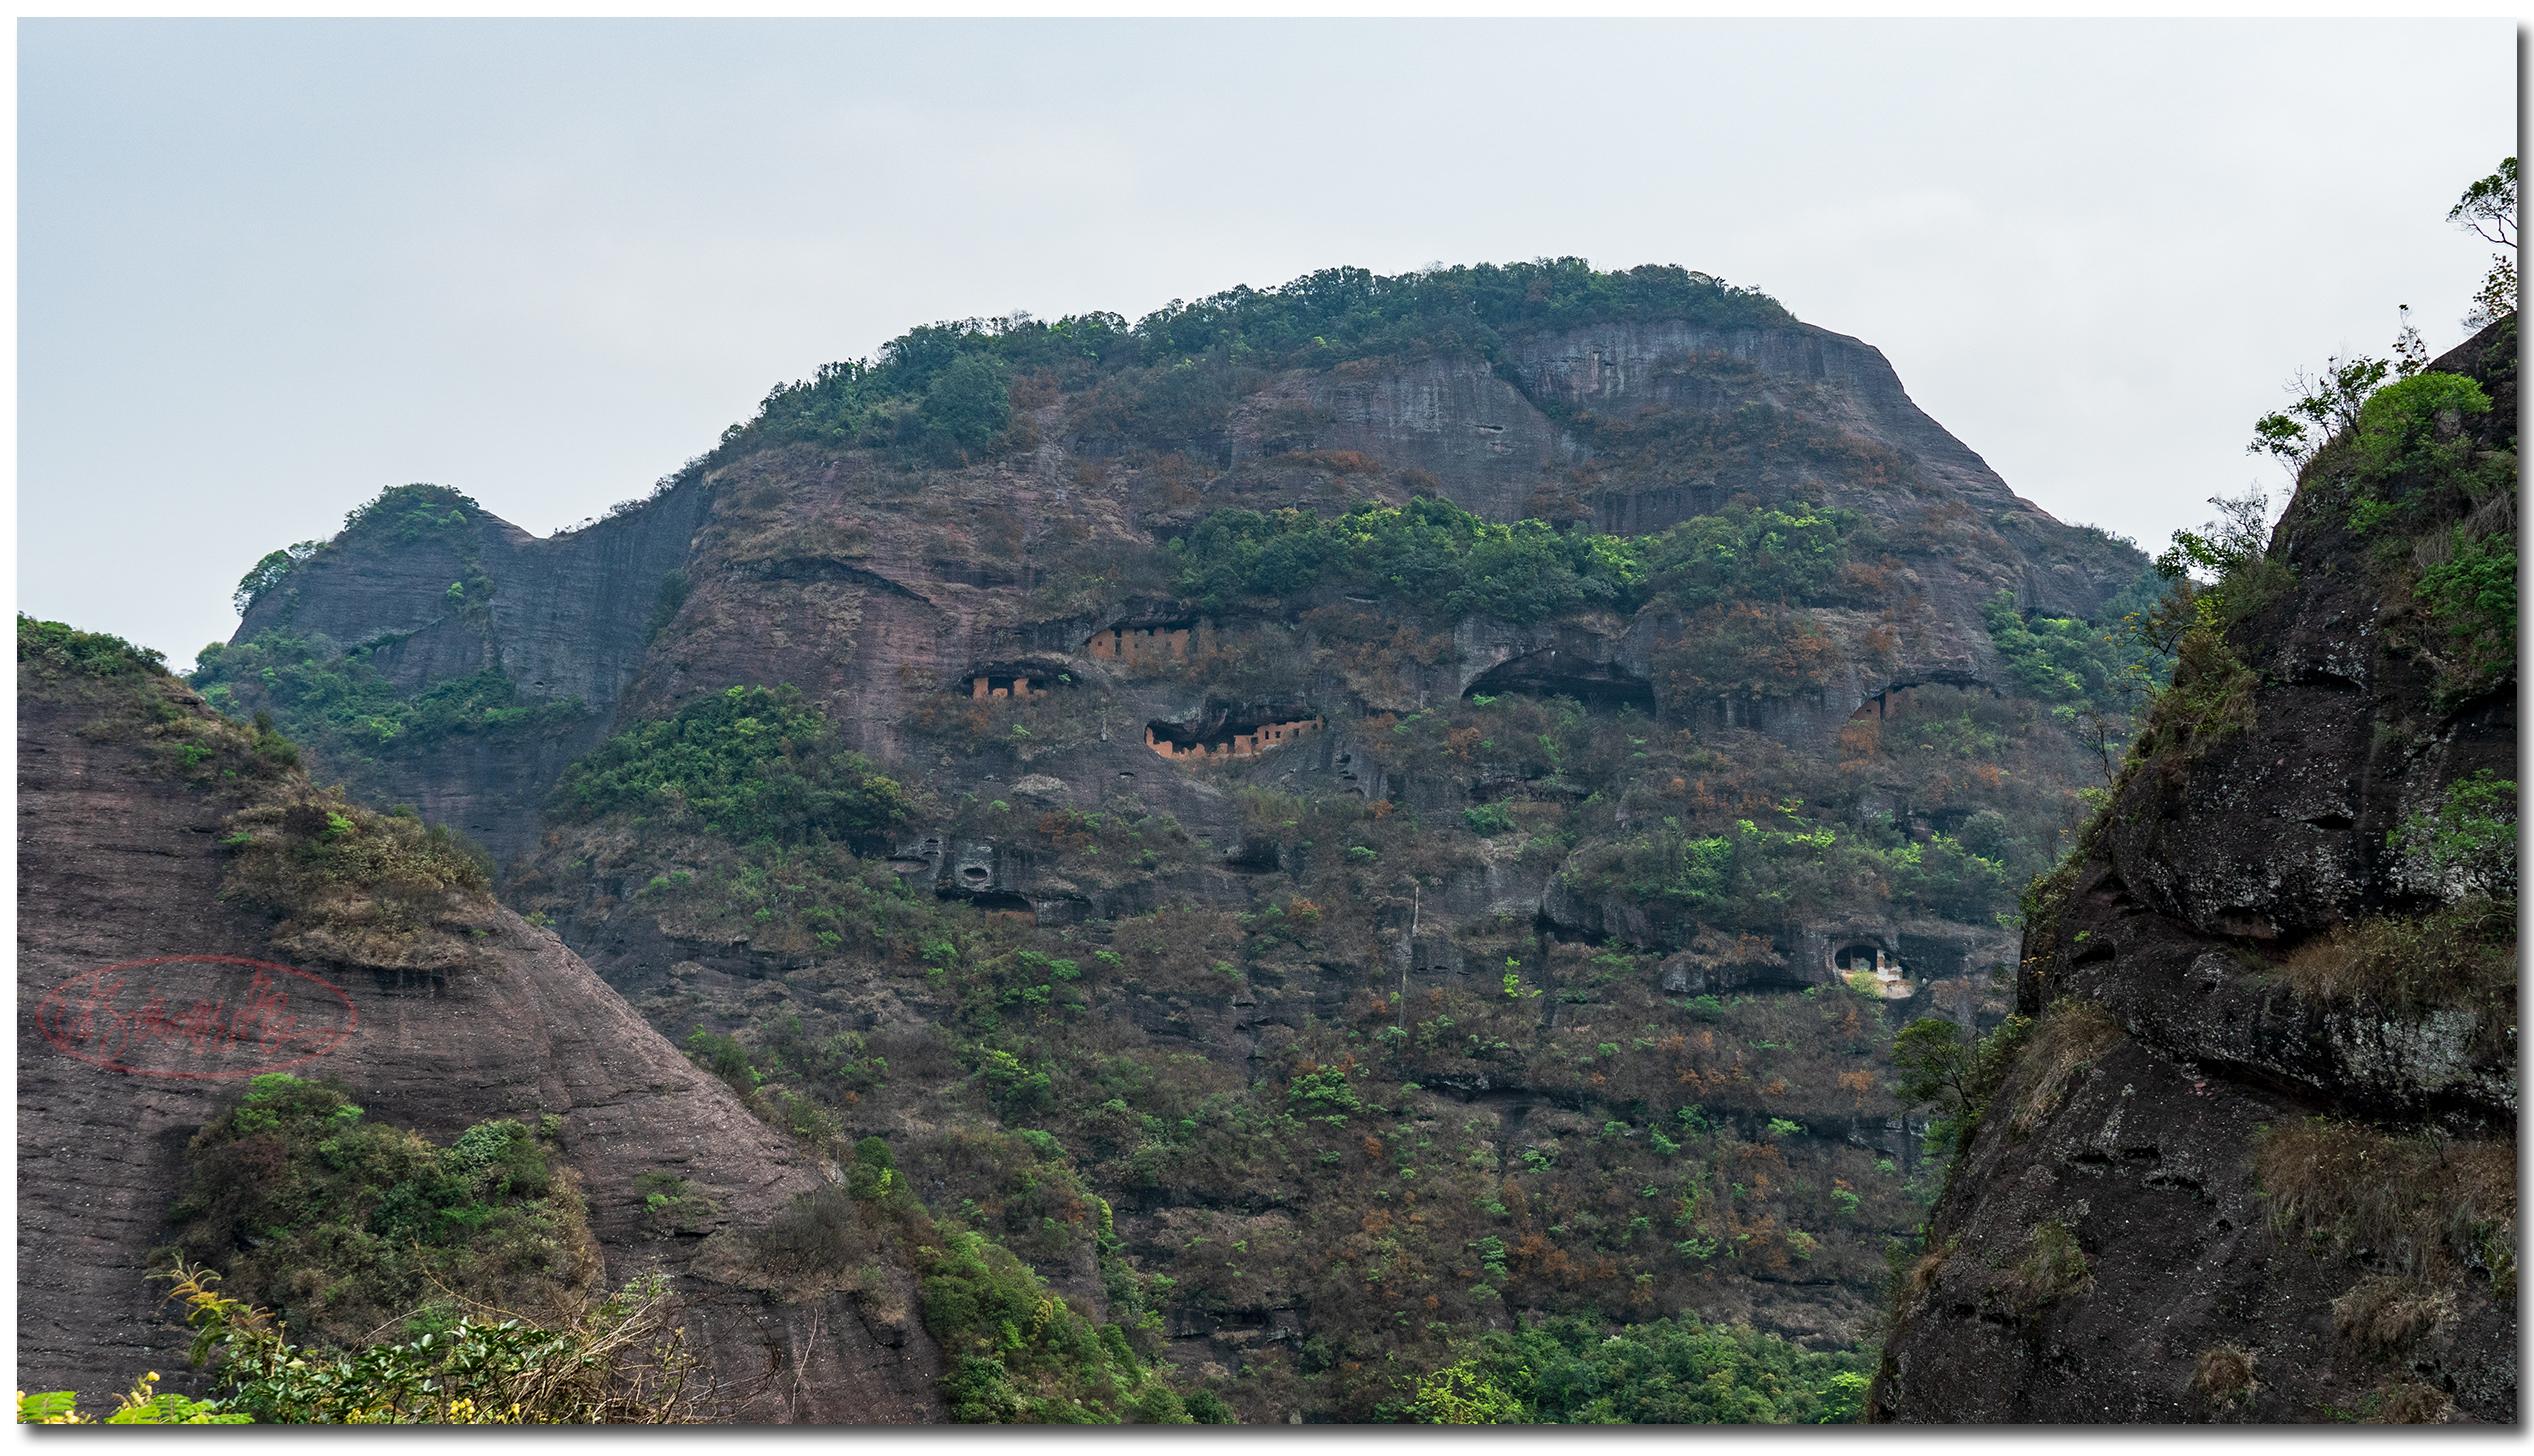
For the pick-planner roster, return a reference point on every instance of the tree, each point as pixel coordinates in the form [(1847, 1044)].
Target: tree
[(1937, 1064), (2239, 536), (2487, 210), (967, 404), (1461, 1394), (268, 573), (2325, 405)]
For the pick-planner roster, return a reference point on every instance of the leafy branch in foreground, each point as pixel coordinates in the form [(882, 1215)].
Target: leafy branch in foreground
[(620, 1361)]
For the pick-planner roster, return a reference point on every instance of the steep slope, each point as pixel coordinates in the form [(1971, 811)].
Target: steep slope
[(127, 787), (2257, 1160), (1462, 892)]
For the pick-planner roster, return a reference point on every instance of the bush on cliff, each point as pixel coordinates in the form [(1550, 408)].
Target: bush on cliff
[(345, 1225), (748, 763)]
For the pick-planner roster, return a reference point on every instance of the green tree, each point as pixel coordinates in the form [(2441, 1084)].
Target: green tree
[(1461, 1394), (2488, 211), (2325, 405), (966, 406), (269, 573)]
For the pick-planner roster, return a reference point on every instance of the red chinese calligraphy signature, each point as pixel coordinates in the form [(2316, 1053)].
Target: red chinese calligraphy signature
[(196, 1018)]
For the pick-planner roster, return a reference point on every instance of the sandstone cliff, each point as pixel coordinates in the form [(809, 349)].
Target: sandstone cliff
[(2256, 1160), (1533, 973), (121, 860)]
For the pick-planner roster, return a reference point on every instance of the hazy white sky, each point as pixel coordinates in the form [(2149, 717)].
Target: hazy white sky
[(267, 268)]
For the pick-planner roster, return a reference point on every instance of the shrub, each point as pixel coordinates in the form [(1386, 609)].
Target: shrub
[(2470, 596), (2225, 1374), (2054, 1268), (2467, 840), (816, 1237), (357, 887), (2427, 1206), (619, 1361), (2417, 425), (965, 406), (2459, 955), (2209, 698), (343, 1224), (2385, 1313)]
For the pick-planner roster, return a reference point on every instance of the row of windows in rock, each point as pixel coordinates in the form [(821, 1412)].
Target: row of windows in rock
[(1160, 642), (1232, 741)]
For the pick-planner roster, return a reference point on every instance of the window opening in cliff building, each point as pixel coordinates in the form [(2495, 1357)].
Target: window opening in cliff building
[(1132, 643), (1868, 959), (986, 685), (1237, 738), (1552, 674)]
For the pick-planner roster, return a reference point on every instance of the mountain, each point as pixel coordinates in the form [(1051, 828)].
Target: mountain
[(1341, 825), (2248, 1153), (183, 927)]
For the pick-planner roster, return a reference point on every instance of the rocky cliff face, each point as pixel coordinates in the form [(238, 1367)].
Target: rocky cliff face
[(121, 864), (2257, 1159), (1534, 973), (865, 581)]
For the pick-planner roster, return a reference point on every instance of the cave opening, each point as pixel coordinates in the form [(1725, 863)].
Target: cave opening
[(1552, 674), (1005, 903)]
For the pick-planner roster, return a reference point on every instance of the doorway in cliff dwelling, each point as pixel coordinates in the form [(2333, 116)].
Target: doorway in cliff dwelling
[(1553, 674), (1237, 735), (1142, 642)]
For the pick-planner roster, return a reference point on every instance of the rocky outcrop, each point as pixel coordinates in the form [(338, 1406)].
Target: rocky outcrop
[(2230, 1177), (869, 583), (119, 862)]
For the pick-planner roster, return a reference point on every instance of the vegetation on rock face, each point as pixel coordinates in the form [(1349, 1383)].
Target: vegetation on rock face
[(56, 652), (355, 887), (1662, 1372), (342, 1225), (746, 763), (1429, 555), (616, 1361), (2384, 598), (942, 384), (1017, 1350), (1432, 557), (347, 711), (2421, 1204)]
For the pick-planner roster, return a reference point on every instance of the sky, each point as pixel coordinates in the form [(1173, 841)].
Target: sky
[(269, 268)]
